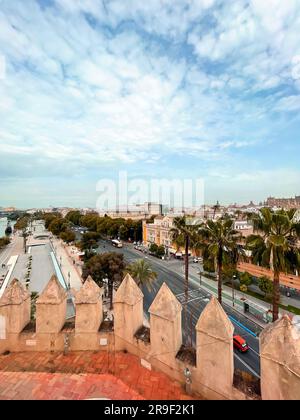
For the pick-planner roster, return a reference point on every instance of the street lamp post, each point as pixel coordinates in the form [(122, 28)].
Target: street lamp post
[(188, 380), (69, 280), (200, 277), (233, 289)]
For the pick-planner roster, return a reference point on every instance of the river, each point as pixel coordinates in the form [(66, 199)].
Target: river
[(3, 224)]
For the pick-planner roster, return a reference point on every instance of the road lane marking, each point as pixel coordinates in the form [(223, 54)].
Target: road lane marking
[(247, 366), (242, 326), (254, 351), (170, 272)]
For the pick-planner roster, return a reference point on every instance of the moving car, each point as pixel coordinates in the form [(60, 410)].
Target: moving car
[(240, 344), (116, 243)]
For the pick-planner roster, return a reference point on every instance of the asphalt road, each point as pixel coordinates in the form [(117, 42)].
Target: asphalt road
[(171, 272)]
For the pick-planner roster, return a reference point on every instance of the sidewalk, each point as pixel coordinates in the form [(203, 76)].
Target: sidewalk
[(67, 265), (211, 287)]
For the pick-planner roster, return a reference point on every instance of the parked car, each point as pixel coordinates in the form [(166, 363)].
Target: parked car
[(240, 344)]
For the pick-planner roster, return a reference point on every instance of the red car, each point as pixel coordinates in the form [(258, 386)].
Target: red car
[(240, 344)]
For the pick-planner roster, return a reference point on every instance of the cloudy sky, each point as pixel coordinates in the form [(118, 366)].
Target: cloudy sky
[(161, 88)]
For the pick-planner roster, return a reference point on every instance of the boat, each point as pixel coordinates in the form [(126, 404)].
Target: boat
[(8, 230)]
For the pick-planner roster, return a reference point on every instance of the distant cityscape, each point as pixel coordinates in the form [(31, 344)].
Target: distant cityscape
[(139, 211)]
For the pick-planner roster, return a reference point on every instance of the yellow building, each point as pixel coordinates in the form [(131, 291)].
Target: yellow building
[(158, 232)]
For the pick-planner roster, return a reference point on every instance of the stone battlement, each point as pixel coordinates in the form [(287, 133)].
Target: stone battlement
[(210, 365)]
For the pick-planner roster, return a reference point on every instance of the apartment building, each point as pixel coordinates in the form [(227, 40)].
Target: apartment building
[(158, 232), (244, 227), (134, 212)]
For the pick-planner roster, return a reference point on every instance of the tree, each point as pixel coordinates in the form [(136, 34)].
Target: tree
[(153, 249), (276, 237), (25, 235), (58, 225), (142, 273), (184, 231), (74, 217), (68, 236), (90, 221), (220, 242), (22, 223), (89, 240), (49, 217), (208, 261), (266, 286), (4, 242), (243, 288), (110, 266), (245, 279), (160, 251)]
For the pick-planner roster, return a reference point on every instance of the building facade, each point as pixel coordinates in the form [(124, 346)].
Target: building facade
[(158, 232), (286, 203), (134, 212), (243, 227)]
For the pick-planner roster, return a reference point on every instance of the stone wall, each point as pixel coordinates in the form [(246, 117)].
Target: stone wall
[(209, 367)]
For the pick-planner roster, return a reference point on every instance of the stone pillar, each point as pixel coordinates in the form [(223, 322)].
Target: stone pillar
[(280, 361), (51, 308), (165, 326), (215, 368), (128, 311), (89, 312), (15, 308)]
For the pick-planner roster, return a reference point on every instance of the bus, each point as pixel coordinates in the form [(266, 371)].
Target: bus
[(116, 243)]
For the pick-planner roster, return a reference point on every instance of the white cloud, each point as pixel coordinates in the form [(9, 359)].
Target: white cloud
[(258, 40), (126, 88)]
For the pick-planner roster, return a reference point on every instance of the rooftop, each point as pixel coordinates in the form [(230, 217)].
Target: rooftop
[(82, 375)]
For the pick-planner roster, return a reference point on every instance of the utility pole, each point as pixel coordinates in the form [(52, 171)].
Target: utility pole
[(233, 289), (200, 277)]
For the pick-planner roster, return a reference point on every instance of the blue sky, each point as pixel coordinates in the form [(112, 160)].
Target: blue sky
[(193, 89)]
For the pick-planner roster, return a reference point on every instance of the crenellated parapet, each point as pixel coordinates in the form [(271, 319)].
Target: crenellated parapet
[(210, 363)]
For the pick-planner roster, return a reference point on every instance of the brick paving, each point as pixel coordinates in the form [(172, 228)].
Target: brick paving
[(82, 375), (59, 386)]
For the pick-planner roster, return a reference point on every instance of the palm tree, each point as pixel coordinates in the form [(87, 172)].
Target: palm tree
[(219, 239), (142, 273), (274, 244), (183, 232)]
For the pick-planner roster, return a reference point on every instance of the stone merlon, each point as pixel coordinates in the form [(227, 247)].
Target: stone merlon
[(214, 321), (90, 292), (165, 304), (280, 342), (53, 294), (128, 292), (15, 294)]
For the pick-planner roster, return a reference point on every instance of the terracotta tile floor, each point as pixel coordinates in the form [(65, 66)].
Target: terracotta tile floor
[(82, 375), (62, 386)]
